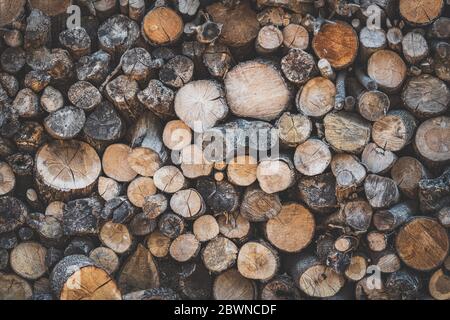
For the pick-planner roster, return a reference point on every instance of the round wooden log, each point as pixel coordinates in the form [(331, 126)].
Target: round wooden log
[(142, 225), (177, 135), (421, 12), (118, 209), (162, 26), (387, 261), (439, 285), (376, 241), (241, 170), (318, 192), (275, 175), (205, 228), (219, 254), (432, 140), (357, 268), (117, 34), (80, 216), (138, 272), (365, 290), (122, 92), (220, 196), (26, 104), (51, 99), (10, 12), (36, 80), (347, 132), (381, 192), (340, 53), (315, 279), (442, 61), (256, 89), (177, 71), (240, 25), (13, 287), (371, 40), (169, 179), (155, 205), (293, 129), (403, 285), (373, 105), (77, 278), (185, 247), (105, 258), (231, 285), (426, 96), (298, 66), (115, 236), (394, 131), (94, 67), (37, 32), (28, 260), (292, 229), (312, 157), (269, 39), (201, 104), (65, 123), (233, 226), (258, 261), (21, 163), (217, 59), (137, 63), (433, 193), (139, 189), (12, 60), (349, 173), (7, 178), (444, 216), (356, 214), (103, 126), (158, 244), (84, 95), (188, 203), (407, 172), (415, 47), (390, 219), (422, 243), (194, 162), (377, 160), (147, 132), (116, 156), (55, 209), (30, 137), (158, 98), (66, 168), (144, 161), (295, 36), (76, 41), (394, 39), (388, 69), (171, 225), (316, 98)]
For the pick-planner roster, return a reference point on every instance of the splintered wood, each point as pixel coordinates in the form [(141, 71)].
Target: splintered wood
[(225, 149)]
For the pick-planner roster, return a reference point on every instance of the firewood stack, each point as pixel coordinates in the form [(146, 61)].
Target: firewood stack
[(109, 188)]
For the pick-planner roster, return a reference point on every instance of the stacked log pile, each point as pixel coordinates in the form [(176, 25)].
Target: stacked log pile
[(115, 183)]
